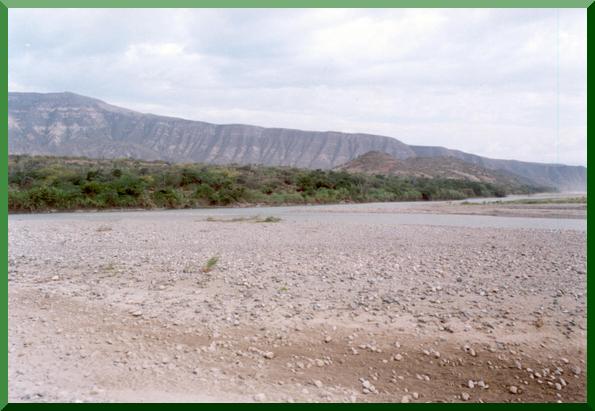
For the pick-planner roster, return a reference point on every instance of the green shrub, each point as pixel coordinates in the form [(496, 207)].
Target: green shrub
[(41, 183)]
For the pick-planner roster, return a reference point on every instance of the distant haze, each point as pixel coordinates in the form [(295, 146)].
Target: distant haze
[(491, 82)]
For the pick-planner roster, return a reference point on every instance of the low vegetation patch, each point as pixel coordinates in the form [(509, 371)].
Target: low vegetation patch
[(252, 219), (41, 183), (269, 219), (211, 263)]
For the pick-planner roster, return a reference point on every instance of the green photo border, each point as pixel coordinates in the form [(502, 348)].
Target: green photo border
[(6, 4)]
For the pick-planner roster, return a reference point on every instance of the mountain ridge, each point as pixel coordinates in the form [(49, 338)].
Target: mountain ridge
[(71, 124)]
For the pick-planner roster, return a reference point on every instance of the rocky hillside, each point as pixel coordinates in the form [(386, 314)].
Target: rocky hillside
[(376, 162), (67, 124), (562, 177)]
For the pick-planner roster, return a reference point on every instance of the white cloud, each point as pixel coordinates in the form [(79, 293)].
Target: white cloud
[(483, 81)]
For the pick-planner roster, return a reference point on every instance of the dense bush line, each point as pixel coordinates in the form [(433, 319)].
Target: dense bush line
[(58, 183)]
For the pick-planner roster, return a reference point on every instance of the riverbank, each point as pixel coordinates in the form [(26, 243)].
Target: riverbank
[(538, 205), (38, 184)]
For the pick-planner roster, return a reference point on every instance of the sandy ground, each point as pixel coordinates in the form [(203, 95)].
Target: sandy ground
[(120, 309)]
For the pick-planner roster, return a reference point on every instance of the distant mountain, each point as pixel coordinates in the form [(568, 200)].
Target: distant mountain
[(562, 177), (68, 124), (375, 162)]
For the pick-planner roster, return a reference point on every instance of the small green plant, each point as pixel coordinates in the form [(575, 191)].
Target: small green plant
[(109, 267), (269, 219), (229, 220), (211, 263), (252, 219)]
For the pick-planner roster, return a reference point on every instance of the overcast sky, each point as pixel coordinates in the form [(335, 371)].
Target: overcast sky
[(483, 81)]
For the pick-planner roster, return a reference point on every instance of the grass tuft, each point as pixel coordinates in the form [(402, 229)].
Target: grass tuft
[(211, 263), (252, 219)]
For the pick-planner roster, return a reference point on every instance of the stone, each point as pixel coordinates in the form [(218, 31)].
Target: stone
[(259, 397)]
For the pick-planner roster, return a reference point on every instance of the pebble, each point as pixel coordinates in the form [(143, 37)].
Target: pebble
[(513, 389), (368, 387), (465, 396), (259, 397)]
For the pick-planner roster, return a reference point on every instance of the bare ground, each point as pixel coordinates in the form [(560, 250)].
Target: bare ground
[(122, 310)]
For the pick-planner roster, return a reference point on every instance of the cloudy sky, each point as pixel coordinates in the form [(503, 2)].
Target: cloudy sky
[(490, 82)]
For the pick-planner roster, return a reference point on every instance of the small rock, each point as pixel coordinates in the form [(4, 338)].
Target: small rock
[(259, 397), (368, 387), (465, 396), (513, 389)]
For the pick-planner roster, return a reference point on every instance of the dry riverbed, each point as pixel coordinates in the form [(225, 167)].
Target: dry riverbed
[(488, 208), (124, 308)]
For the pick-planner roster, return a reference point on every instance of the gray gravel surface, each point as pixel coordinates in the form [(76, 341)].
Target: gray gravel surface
[(123, 308)]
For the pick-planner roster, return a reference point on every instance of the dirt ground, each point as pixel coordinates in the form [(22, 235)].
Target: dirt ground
[(122, 308)]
